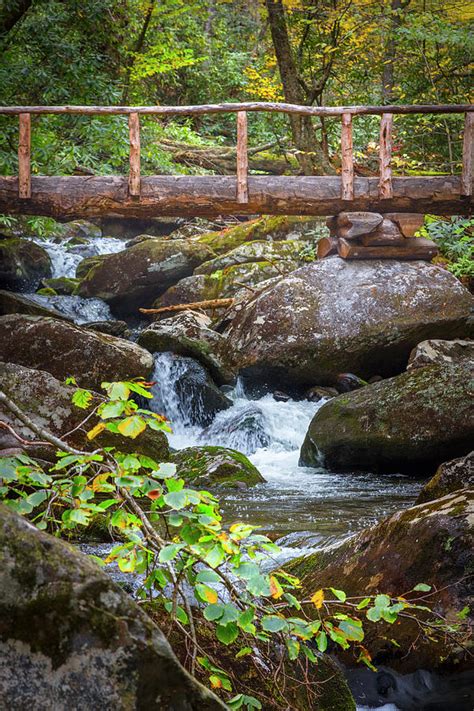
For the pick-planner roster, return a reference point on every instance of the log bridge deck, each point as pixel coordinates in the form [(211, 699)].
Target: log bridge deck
[(136, 196)]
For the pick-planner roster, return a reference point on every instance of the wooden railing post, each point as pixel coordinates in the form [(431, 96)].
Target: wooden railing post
[(467, 155), (385, 183), (347, 158), (242, 158), (134, 175), (24, 157)]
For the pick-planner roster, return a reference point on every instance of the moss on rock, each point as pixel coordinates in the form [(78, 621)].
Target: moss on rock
[(216, 466), (23, 264)]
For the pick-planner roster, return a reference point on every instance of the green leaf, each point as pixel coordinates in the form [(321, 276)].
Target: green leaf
[(37, 498), (272, 623), (140, 389), (293, 647), (114, 408), (215, 556), (208, 576), (175, 499), (244, 652), (169, 552), (352, 629), (422, 587), (340, 594), (116, 391), (131, 426), (82, 398), (322, 641), (374, 614), (213, 612), (165, 470), (363, 603), (79, 516), (227, 633)]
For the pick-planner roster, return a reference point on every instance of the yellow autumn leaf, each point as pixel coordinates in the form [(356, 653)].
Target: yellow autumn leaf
[(318, 598), (211, 595), (275, 588), (216, 683), (96, 430), (99, 480)]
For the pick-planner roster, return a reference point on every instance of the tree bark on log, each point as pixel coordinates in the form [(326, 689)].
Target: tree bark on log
[(412, 249), (386, 234), (208, 304), (73, 197), (327, 246)]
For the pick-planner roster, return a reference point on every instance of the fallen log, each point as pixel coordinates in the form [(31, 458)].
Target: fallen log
[(77, 196), (208, 304), (351, 225), (408, 223), (386, 234), (413, 248)]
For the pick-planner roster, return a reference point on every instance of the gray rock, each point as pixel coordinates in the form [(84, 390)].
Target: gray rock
[(449, 477), (64, 349), (248, 252), (189, 334), (216, 466), (11, 303), (112, 328), (437, 351), (410, 423), (335, 315), (138, 275), (71, 638), (23, 264)]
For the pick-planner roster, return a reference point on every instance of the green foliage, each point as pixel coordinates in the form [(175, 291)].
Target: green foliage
[(455, 239), (174, 537)]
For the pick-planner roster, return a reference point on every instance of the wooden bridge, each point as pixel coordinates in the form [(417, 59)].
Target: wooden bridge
[(149, 196)]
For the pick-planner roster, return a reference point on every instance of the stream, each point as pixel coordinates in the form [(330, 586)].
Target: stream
[(304, 509)]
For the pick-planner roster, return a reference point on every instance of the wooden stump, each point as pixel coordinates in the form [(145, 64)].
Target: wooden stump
[(327, 246)]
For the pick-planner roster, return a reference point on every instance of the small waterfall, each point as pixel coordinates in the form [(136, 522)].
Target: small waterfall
[(166, 398), (81, 310), (65, 258)]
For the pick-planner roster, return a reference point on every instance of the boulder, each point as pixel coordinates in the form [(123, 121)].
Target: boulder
[(334, 316), (245, 430), (63, 286), (138, 275), (64, 349), (431, 543), (438, 351), (410, 423), (23, 264), (216, 466), (113, 328), (70, 637), (11, 303), (47, 402), (191, 394), (449, 477), (271, 228), (261, 251), (188, 334), (186, 291), (86, 264)]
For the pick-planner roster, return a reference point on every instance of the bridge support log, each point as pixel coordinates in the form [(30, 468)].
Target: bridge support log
[(74, 197)]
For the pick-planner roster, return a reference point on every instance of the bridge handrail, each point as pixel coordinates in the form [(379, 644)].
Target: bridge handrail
[(345, 112)]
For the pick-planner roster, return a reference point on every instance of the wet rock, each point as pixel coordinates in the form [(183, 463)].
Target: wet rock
[(199, 398), (47, 402), (437, 351), (280, 396), (84, 267), (449, 477), (11, 303), (271, 228), (244, 430), (129, 228), (346, 382), (186, 291), (334, 316), (431, 543), (63, 286), (23, 264), (216, 466), (112, 328), (69, 632), (410, 423), (189, 334), (138, 275), (81, 229), (319, 393), (249, 252), (64, 349)]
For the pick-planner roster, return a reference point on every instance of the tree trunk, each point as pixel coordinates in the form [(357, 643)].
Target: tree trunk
[(310, 155), (10, 14), (390, 53)]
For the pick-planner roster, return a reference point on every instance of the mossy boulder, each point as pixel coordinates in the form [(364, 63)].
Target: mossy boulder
[(64, 349), (23, 264), (216, 466), (278, 227), (138, 275), (410, 423), (439, 351), (84, 266), (259, 251), (188, 334), (337, 316), (112, 328), (81, 229), (11, 303), (431, 543), (47, 402), (449, 477), (63, 286), (69, 632)]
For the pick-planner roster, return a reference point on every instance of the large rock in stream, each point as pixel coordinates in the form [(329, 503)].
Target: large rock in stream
[(64, 349), (47, 402), (71, 638), (23, 264), (410, 423), (216, 466), (432, 544), (138, 275), (450, 476), (339, 316)]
